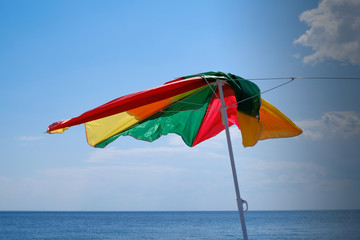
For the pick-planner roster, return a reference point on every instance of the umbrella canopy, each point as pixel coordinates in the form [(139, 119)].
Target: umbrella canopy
[(188, 106)]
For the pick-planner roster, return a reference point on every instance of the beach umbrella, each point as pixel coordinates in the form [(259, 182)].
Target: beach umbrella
[(196, 107)]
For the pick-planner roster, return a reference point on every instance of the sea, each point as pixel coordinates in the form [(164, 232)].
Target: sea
[(267, 225)]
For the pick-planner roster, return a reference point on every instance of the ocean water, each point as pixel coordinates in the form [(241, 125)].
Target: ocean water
[(269, 225)]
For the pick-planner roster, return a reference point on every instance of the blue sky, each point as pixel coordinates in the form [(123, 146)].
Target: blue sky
[(61, 58)]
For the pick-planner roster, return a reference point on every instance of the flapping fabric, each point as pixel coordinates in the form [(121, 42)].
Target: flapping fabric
[(187, 106), (131, 101), (183, 118), (276, 124), (105, 130)]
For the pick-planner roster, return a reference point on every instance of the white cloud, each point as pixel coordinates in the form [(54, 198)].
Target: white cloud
[(111, 153), (332, 124), (175, 140), (281, 172), (334, 32), (30, 138)]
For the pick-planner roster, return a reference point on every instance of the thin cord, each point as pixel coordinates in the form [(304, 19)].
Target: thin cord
[(291, 79), (232, 105), (275, 78), (256, 79), (191, 103), (212, 109), (280, 85), (268, 90), (317, 78)]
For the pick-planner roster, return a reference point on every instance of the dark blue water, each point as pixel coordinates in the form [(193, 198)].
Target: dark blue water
[(269, 225)]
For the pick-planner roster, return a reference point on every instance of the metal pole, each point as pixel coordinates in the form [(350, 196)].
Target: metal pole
[(231, 154)]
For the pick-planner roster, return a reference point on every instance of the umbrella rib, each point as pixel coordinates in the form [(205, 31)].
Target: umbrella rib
[(209, 108), (233, 81), (191, 103), (204, 77), (212, 109)]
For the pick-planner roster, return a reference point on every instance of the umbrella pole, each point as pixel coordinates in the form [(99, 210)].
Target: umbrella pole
[(231, 154)]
